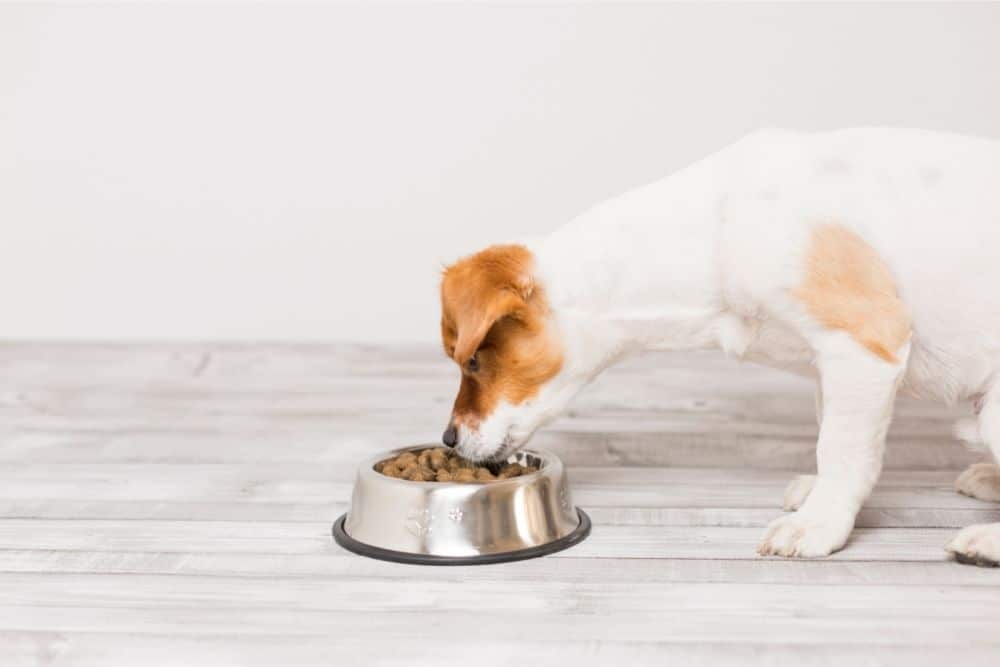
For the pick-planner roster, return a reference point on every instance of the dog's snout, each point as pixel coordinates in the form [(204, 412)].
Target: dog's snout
[(450, 436)]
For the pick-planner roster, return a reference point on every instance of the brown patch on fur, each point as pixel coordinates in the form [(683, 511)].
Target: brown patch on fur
[(848, 287), (491, 307)]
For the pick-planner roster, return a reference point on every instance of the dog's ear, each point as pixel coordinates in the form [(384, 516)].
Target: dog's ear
[(478, 291), (475, 321)]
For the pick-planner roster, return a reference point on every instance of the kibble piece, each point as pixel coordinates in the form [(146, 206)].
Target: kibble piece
[(512, 469), (444, 465), (405, 459), (414, 474), (438, 459)]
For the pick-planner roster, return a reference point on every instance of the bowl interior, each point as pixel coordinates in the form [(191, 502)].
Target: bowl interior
[(523, 457)]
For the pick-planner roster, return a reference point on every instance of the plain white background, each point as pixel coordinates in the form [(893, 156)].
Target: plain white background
[(303, 173)]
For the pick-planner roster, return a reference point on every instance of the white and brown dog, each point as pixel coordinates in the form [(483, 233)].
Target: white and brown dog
[(867, 258)]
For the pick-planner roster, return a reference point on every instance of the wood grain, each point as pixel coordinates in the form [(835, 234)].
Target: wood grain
[(170, 504)]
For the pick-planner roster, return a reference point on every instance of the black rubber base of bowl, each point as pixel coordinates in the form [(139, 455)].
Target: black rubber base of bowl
[(981, 562), (360, 548)]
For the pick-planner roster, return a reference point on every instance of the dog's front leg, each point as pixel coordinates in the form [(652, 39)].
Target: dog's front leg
[(858, 390), (799, 488)]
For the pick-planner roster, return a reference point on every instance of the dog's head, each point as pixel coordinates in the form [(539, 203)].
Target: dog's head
[(496, 325)]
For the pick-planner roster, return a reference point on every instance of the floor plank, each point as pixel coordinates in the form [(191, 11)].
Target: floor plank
[(341, 565), (168, 504), (805, 623), (101, 649)]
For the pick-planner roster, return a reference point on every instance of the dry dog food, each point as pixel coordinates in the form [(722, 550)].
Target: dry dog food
[(438, 464)]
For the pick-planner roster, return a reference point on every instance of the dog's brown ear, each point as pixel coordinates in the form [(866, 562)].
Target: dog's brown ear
[(478, 291), (474, 323)]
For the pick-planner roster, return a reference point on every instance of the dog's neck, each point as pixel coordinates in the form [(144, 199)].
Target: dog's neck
[(640, 271)]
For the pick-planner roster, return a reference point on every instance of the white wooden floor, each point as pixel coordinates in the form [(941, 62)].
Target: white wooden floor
[(171, 504)]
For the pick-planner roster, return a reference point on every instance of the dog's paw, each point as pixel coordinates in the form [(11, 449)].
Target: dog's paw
[(797, 491), (977, 545), (980, 480), (802, 535)]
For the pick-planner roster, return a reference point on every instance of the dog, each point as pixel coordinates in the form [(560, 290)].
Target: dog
[(866, 258)]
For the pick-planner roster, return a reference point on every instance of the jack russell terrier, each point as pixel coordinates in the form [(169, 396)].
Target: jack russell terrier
[(866, 258)]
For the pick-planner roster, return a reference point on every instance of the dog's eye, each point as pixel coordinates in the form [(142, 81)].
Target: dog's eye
[(472, 365)]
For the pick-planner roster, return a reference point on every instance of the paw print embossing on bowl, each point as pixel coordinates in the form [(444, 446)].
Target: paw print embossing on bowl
[(418, 522), (563, 498)]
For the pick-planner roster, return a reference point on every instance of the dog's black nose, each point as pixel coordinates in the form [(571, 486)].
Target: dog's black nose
[(450, 436)]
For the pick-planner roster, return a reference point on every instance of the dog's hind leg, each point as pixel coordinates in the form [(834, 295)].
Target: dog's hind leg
[(980, 480), (980, 544)]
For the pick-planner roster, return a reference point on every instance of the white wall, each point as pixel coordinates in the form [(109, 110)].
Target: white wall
[(276, 173)]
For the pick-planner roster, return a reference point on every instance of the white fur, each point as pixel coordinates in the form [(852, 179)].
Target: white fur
[(707, 257), (980, 480), (979, 544), (797, 491), (858, 392)]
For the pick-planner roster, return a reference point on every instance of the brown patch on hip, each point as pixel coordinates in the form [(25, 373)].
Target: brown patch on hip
[(848, 287)]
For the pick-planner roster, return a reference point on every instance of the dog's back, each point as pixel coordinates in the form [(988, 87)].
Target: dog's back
[(927, 202)]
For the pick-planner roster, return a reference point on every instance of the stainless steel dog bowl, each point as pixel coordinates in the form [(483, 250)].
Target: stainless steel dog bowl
[(446, 523)]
